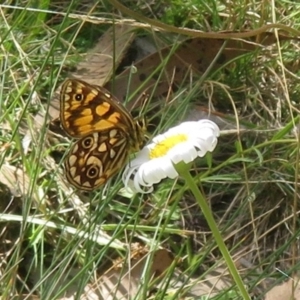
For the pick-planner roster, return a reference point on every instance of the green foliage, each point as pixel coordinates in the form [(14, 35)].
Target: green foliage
[(250, 181), (193, 13)]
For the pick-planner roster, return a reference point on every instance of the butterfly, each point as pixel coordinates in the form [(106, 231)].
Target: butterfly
[(105, 133)]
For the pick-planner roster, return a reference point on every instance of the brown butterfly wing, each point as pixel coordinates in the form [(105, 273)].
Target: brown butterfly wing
[(95, 158), (86, 108)]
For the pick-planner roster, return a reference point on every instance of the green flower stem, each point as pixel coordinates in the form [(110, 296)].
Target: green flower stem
[(184, 172)]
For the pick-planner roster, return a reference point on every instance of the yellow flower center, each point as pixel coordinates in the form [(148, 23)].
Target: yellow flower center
[(164, 146)]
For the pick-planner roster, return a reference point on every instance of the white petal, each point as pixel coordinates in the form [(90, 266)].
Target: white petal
[(210, 124), (159, 138), (183, 152), (148, 187), (152, 172), (139, 181), (168, 169), (141, 157), (189, 156), (126, 176)]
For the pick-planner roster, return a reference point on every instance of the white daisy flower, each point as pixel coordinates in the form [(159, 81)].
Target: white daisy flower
[(158, 160)]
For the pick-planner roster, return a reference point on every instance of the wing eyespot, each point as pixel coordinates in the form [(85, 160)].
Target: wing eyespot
[(92, 172), (78, 97), (87, 142)]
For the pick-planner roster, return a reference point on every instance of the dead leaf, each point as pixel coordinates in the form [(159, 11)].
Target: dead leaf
[(285, 291), (172, 66), (97, 66), (15, 179), (123, 283), (117, 283)]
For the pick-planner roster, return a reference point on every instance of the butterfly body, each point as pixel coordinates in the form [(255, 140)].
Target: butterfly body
[(105, 130)]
